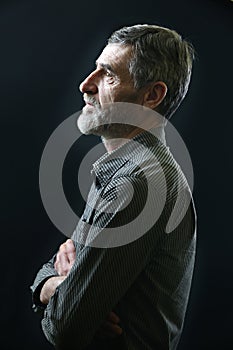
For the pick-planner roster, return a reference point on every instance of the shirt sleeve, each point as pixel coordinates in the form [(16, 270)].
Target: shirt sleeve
[(100, 276), (46, 271)]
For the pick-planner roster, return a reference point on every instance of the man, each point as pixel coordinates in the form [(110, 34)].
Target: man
[(128, 267)]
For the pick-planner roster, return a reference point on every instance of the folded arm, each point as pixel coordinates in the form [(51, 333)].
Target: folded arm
[(97, 281)]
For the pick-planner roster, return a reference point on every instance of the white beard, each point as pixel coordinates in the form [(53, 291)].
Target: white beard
[(115, 119), (100, 121), (90, 120)]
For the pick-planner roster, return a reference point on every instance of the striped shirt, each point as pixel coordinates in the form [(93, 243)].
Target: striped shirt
[(135, 252)]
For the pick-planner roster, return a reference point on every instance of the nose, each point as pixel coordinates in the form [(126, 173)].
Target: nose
[(89, 85)]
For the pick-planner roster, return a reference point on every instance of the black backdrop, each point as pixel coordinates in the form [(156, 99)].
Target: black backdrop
[(46, 48)]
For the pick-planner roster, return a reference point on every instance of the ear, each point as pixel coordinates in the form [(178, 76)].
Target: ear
[(155, 94)]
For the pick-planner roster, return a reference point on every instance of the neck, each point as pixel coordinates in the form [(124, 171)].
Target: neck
[(113, 143)]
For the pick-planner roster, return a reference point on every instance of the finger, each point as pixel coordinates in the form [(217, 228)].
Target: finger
[(113, 317), (112, 328), (70, 250), (64, 261), (57, 265)]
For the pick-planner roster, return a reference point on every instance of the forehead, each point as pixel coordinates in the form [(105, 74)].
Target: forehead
[(115, 54)]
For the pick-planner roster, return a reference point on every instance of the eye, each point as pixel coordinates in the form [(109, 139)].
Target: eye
[(110, 77), (108, 73)]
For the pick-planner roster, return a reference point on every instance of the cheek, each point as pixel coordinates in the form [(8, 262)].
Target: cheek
[(127, 95), (117, 93), (108, 93)]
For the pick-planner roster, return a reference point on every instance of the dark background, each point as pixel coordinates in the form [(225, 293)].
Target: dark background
[(46, 49)]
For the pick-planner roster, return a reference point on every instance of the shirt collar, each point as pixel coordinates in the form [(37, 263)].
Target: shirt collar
[(108, 164)]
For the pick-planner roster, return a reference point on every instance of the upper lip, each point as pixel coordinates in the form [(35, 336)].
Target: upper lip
[(88, 102)]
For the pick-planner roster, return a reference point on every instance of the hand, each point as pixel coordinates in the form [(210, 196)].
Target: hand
[(49, 288), (110, 327), (65, 258), (64, 261)]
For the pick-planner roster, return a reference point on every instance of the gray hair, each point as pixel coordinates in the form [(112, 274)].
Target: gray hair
[(158, 54)]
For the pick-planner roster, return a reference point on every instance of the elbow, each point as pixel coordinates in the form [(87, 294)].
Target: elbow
[(64, 337)]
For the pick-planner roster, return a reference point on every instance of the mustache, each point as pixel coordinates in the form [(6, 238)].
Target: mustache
[(91, 99)]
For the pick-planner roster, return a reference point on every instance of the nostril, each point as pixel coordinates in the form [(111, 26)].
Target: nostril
[(88, 87)]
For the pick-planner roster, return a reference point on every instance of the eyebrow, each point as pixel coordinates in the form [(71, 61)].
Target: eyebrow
[(105, 66)]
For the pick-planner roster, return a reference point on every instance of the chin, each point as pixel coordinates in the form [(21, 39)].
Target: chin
[(89, 123), (87, 129), (84, 124), (83, 129)]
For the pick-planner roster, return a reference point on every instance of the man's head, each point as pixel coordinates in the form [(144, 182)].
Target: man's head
[(143, 64)]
